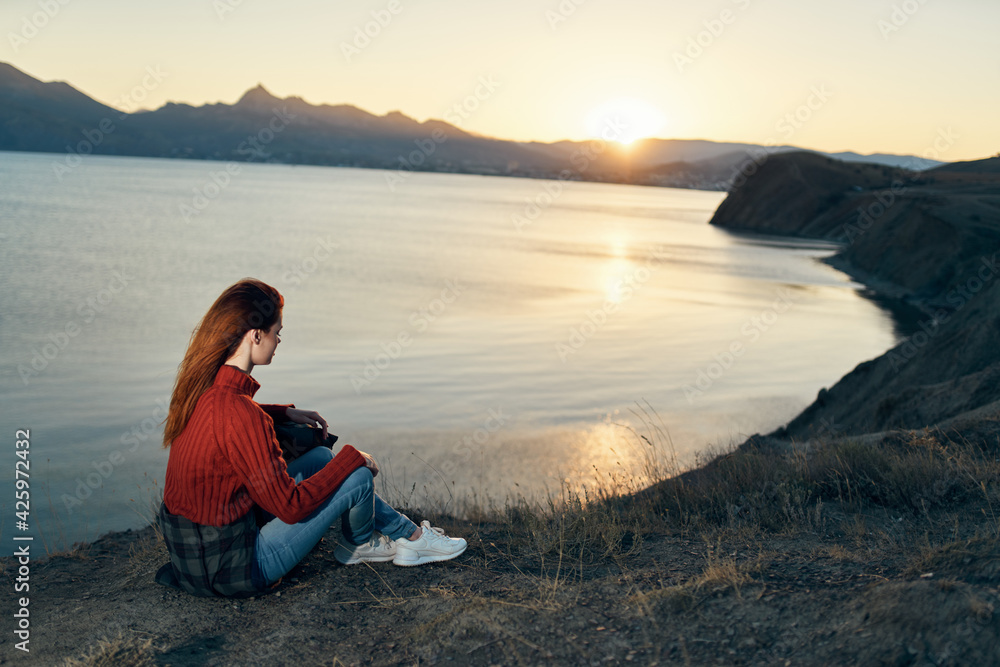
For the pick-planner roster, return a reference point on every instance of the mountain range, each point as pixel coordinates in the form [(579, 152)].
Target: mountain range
[(55, 117)]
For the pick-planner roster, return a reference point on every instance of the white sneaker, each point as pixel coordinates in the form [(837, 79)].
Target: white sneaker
[(378, 549), (433, 546)]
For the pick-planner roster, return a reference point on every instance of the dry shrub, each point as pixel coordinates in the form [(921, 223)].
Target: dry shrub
[(914, 471), (119, 650), (762, 485), (572, 527)]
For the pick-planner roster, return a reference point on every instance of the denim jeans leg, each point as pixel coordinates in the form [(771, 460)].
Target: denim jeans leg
[(309, 463), (391, 523), (387, 521), (280, 546)]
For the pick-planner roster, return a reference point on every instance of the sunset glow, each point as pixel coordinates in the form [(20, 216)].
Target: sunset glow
[(628, 70), (624, 120)]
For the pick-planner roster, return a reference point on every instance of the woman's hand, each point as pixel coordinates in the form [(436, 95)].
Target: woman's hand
[(307, 417), (370, 463)]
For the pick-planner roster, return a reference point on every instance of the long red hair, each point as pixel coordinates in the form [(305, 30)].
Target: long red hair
[(247, 305)]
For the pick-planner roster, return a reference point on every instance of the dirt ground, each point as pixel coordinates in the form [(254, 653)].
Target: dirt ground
[(873, 588)]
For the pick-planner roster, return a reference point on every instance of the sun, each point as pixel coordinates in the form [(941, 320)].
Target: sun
[(625, 119)]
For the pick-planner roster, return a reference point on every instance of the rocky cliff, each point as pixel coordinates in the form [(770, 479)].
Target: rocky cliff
[(931, 238)]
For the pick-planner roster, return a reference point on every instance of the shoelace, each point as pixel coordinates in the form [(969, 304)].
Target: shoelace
[(379, 541), (434, 532)]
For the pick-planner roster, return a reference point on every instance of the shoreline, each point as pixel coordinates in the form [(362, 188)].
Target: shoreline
[(774, 414), (882, 292), (846, 545), (531, 176)]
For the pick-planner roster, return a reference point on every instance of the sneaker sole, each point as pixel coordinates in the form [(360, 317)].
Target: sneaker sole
[(431, 558), (355, 561)]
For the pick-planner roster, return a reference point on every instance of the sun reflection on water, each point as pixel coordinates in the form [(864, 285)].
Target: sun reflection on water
[(617, 271)]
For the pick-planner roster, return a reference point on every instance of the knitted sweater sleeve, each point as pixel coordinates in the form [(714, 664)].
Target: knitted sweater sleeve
[(252, 450), (276, 411)]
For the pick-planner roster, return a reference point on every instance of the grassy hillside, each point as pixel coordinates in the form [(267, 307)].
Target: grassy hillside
[(879, 550)]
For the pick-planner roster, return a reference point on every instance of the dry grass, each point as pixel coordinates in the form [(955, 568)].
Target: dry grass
[(721, 572), (852, 489), (764, 487), (863, 502), (956, 556), (614, 569), (116, 651), (838, 552), (145, 556)]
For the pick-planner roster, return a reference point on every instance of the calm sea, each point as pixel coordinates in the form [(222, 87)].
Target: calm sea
[(483, 337)]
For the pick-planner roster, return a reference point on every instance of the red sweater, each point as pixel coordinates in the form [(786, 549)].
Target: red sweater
[(227, 458)]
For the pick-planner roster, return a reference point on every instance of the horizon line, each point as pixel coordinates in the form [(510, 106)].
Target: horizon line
[(623, 146)]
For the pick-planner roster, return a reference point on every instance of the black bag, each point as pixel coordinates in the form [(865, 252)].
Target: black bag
[(297, 439)]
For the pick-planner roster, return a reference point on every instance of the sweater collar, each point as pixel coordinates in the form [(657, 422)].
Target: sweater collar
[(233, 378)]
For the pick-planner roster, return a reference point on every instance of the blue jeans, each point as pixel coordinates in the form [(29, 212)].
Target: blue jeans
[(280, 546)]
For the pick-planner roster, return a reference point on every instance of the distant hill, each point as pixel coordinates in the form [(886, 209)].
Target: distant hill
[(987, 166), (55, 117), (911, 162), (802, 194), (36, 116)]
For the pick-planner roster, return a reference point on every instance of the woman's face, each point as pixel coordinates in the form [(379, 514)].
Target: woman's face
[(263, 351)]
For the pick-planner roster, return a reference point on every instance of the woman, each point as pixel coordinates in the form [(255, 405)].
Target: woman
[(225, 462)]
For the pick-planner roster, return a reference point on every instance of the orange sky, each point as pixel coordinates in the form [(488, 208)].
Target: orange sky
[(863, 75)]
